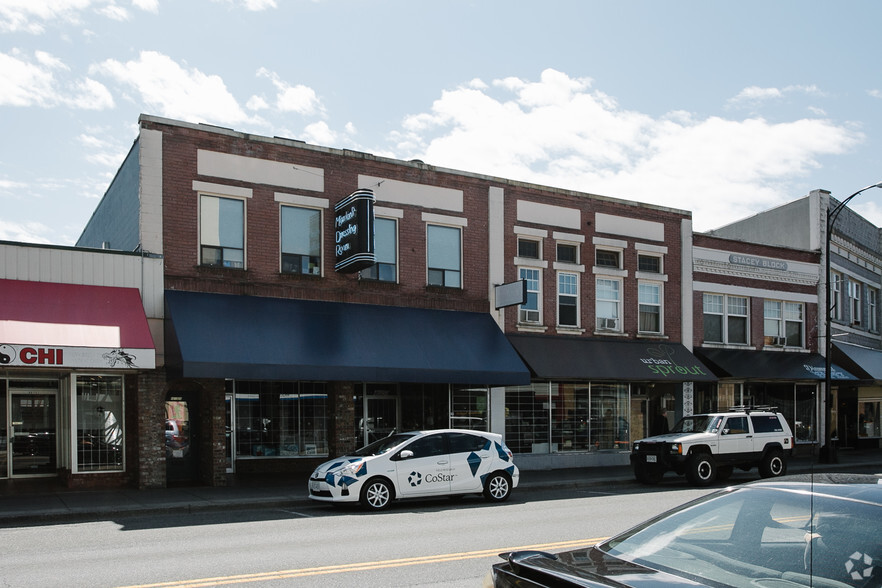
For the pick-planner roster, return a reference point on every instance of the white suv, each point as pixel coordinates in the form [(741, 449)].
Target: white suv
[(707, 447), (418, 464)]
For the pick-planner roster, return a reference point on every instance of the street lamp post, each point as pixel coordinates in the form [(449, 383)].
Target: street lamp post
[(829, 453)]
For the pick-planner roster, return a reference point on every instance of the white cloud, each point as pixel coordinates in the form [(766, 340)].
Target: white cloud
[(32, 16), (34, 83), (172, 90), (754, 94), (32, 232), (870, 210), (559, 132), (300, 99), (252, 5)]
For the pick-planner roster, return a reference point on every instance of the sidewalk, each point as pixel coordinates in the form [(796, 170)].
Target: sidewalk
[(28, 502)]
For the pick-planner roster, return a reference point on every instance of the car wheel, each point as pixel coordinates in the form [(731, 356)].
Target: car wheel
[(377, 494), (701, 469), (497, 487), (773, 464), (724, 473), (647, 474)]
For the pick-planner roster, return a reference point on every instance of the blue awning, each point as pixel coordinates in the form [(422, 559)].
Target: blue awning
[(255, 338), (863, 362)]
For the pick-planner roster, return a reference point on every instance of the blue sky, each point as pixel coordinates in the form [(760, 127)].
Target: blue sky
[(724, 109)]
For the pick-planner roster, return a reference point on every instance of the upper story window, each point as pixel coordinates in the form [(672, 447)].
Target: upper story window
[(221, 231), (608, 258), (725, 319), (529, 249), (443, 256), (854, 301), (386, 250), (650, 264), (872, 309), (836, 295), (649, 307), (529, 312), (783, 323), (568, 253), (568, 299), (301, 240), (608, 304)]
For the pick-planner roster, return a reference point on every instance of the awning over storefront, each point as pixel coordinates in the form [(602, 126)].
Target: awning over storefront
[(769, 365), (565, 358), (865, 363), (254, 338), (46, 324)]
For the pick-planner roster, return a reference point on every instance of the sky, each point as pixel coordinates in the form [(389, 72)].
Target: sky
[(724, 109)]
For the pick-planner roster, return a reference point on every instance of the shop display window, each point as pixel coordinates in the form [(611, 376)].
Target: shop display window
[(868, 418), (100, 433), (280, 419)]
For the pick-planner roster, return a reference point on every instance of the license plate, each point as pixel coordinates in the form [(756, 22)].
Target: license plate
[(650, 459), (314, 486)]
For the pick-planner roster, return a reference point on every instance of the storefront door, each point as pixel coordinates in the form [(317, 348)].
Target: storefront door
[(32, 429), (379, 413), (181, 455)]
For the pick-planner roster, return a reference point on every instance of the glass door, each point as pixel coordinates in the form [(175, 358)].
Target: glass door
[(33, 423), (379, 418)]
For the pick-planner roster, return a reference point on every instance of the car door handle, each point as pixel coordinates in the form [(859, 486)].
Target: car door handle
[(443, 462)]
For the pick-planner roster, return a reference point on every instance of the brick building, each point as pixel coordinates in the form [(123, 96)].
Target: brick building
[(272, 360)]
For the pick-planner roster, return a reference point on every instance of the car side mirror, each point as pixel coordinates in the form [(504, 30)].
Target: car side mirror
[(725, 431), (405, 454)]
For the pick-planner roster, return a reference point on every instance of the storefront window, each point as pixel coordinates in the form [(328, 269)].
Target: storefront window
[(526, 418), (609, 416), (868, 418), (571, 419), (280, 419), (99, 406), (805, 415), (468, 407)]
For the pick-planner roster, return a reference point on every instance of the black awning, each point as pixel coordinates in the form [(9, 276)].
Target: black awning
[(768, 365), (247, 337), (865, 363), (570, 358)]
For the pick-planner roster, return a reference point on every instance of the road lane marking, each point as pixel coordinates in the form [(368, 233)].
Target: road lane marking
[(365, 566)]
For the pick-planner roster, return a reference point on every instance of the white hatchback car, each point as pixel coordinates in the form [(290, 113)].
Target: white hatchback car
[(419, 464)]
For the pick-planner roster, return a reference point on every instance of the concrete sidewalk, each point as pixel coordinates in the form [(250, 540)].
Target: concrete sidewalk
[(32, 502)]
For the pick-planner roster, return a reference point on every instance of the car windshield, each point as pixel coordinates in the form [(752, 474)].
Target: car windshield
[(383, 445), (700, 423), (739, 536)]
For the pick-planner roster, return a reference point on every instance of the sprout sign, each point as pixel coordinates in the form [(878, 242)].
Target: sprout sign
[(354, 232)]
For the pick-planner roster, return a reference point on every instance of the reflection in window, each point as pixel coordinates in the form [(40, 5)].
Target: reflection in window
[(386, 252), (608, 303), (468, 407), (868, 418), (567, 299), (301, 240), (725, 319), (222, 231), (443, 256), (649, 301), (280, 419), (529, 311), (99, 423)]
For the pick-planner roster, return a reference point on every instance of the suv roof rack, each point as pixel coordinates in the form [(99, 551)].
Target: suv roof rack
[(747, 408)]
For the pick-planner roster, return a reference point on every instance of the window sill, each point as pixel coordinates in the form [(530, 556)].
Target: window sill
[(295, 275), (610, 334), (531, 328), (715, 345), (568, 330), (653, 336)]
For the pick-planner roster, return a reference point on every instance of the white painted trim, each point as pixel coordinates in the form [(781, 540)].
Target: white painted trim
[(714, 288), (530, 232), (568, 237), (222, 190), (388, 212), (297, 200), (443, 219)]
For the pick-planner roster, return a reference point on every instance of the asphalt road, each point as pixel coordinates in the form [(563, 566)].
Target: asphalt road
[(421, 543)]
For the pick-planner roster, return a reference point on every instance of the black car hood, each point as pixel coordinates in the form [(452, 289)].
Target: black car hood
[(587, 567)]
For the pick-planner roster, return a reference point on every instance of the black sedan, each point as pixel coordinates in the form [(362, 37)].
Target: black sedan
[(810, 530)]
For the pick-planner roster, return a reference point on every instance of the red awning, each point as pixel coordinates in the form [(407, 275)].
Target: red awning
[(83, 326)]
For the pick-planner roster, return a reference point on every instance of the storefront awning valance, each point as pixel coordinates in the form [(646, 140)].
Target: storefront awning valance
[(256, 338), (769, 365), (566, 358), (865, 363), (45, 324)]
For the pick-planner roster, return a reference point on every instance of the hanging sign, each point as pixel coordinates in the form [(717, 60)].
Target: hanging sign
[(354, 232)]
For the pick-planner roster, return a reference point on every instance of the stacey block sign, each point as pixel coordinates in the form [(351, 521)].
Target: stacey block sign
[(354, 232)]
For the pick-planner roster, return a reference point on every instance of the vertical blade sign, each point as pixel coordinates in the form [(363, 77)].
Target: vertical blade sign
[(354, 232)]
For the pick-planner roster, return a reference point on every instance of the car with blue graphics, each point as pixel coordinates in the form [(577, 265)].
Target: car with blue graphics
[(418, 464)]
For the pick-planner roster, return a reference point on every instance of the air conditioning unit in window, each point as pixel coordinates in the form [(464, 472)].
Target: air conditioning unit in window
[(779, 341), (607, 324)]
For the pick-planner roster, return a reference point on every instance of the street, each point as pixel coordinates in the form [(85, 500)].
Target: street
[(440, 542)]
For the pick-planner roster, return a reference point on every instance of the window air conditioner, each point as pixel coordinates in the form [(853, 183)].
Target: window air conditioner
[(607, 324)]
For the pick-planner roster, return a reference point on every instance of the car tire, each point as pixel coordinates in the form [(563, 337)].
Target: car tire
[(773, 464), (497, 487), (647, 474), (377, 494), (701, 470)]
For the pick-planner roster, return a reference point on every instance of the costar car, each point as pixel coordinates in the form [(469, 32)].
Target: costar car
[(418, 464), (807, 530)]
